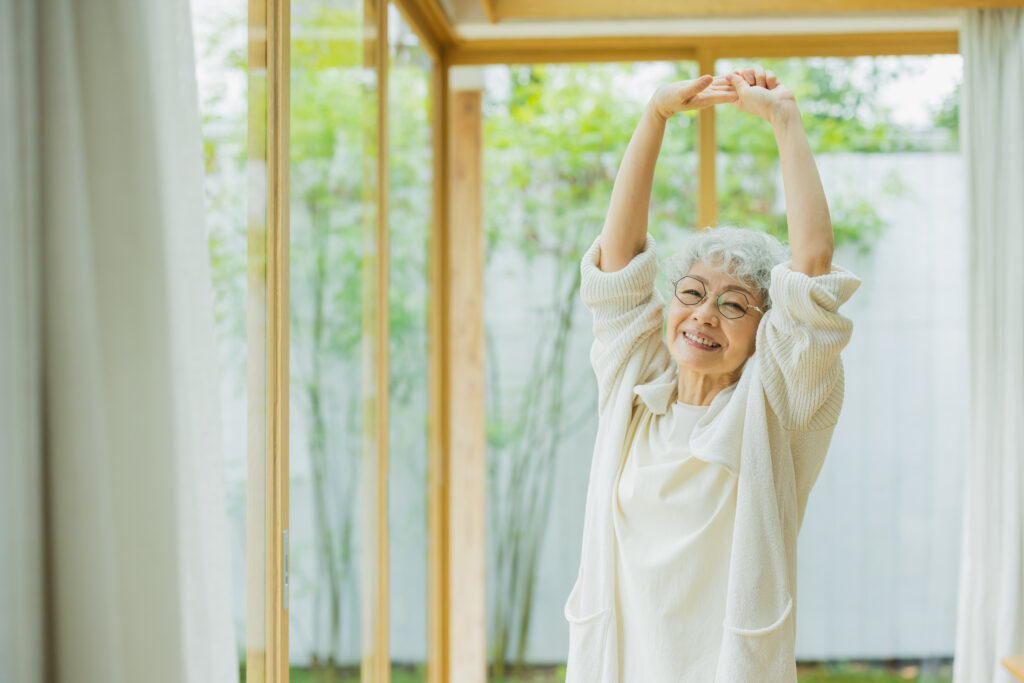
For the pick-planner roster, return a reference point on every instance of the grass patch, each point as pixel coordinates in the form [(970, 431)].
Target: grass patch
[(831, 672)]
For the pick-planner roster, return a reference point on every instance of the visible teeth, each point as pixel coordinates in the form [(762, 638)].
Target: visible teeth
[(699, 340)]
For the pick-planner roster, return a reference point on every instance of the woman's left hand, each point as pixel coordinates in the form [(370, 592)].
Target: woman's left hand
[(760, 93)]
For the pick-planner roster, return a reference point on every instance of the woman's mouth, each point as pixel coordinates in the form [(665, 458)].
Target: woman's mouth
[(700, 342)]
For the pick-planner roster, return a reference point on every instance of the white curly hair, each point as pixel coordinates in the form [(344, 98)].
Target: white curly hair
[(747, 255)]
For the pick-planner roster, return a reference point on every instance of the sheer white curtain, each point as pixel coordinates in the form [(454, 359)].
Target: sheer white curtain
[(22, 656), (990, 619), (114, 560)]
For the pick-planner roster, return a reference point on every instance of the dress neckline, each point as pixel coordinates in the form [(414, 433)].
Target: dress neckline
[(688, 406)]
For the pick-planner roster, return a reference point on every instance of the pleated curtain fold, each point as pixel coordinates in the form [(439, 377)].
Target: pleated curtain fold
[(114, 540), (990, 618)]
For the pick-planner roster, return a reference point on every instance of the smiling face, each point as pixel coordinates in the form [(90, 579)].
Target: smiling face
[(700, 338)]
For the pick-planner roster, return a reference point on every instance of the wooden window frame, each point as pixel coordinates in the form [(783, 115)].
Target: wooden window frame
[(267, 338)]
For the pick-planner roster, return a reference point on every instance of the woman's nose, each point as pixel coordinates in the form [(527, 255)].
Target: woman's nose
[(705, 310)]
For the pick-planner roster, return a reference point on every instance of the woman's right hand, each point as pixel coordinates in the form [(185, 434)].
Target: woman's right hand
[(698, 93), (759, 93)]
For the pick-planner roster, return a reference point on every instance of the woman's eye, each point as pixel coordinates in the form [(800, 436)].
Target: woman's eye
[(693, 292), (734, 307)]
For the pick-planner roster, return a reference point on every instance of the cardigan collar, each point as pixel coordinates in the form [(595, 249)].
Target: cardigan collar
[(715, 435), (659, 393)]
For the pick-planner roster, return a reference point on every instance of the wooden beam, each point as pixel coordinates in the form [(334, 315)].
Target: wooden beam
[(831, 44), (439, 387), (488, 6), (675, 48), (565, 50), (615, 9), (413, 16), (429, 19), (467, 638)]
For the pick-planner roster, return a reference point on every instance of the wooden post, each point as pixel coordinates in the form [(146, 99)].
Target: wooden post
[(278, 325), (437, 470), (467, 637), (707, 200), (375, 662)]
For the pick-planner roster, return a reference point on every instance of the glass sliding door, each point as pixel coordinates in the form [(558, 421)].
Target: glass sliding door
[(232, 81), (336, 341), (410, 202)]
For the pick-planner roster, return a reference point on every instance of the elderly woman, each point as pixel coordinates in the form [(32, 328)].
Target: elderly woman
[(711, 437)]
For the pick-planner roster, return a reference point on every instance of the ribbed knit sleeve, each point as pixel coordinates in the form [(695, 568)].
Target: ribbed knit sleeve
[(799, 341), (627, 309)]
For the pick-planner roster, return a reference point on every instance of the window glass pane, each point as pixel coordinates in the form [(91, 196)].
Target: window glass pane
[(237, 245), (877, 562), (333, 445), (410, 201), (554, 136)]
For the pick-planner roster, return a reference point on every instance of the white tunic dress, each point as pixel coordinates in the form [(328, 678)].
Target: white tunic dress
[(777, 420), (673, 522)]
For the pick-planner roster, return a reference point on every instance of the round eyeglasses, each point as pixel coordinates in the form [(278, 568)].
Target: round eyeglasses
[(732, 303)]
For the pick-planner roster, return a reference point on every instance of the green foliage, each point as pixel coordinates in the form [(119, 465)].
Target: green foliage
[(841, 113), (840, 103), (553, 145), (948, 115)]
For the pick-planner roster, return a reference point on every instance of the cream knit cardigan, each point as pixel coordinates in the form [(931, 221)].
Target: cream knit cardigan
[(779, 418)]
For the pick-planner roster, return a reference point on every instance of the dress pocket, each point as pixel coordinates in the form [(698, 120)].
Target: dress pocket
[(592, 657), (764, 654)]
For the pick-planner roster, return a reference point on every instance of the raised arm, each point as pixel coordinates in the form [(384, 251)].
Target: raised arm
[(625, 227), (810, 227)]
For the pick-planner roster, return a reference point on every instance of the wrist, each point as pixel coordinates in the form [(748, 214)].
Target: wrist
[(784, 113), (653, 112)]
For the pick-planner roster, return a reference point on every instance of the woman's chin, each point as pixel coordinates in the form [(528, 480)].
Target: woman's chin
[(687, 360)]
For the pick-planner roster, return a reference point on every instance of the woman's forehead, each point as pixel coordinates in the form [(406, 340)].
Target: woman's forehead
[(716, 278)]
